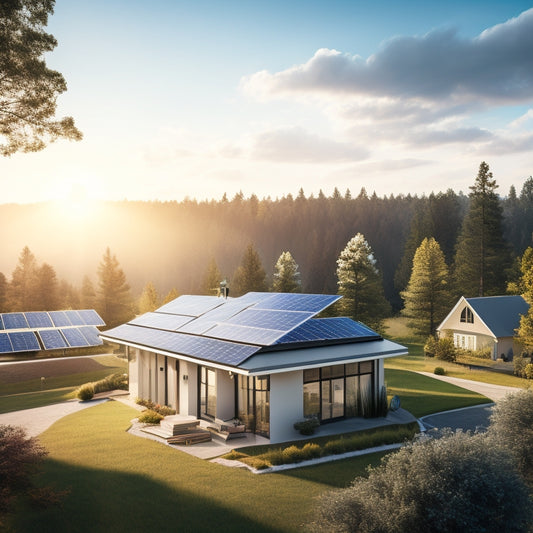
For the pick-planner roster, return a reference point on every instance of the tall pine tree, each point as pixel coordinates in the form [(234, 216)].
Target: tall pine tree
[(482, 255), (427, 296), (286, 274), (250, 275), (23, 280), (149, 300), (114, 300), (361, 284)]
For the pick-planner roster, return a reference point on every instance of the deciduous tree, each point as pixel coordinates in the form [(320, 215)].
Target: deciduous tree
[(28, 88), (361, 284), (427, 297), (286, 274)]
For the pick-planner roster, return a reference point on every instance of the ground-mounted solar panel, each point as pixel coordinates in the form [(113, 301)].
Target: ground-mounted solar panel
[(1, 322), (91, 317), (191, 305), (91, 334), (329, 329), (161, 321), (313, 303), (59, 318), (207, 349), (74, 337), (52, 339), (5, 343), (38, 319), (24, 341), (15, 321), (74, 318), (269, 319)]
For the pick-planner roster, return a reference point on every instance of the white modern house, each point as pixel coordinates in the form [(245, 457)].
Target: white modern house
[(262, 358), (489, 321)]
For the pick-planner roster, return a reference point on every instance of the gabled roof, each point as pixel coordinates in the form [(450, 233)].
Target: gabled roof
[(228, 332), (501, 314)]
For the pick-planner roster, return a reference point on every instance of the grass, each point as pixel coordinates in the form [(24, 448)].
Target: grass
[(27, 394), (119, 482)]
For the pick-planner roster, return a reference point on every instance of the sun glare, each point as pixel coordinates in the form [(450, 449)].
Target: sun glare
[(75, 203)]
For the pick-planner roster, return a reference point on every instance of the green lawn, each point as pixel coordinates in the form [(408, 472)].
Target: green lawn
[(119, 482)]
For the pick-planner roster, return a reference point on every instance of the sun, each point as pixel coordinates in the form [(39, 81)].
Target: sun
[(75, 202)]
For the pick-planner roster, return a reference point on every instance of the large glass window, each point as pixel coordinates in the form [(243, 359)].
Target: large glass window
[(467, 315), (253, 399), (339, 391), (208, 392)]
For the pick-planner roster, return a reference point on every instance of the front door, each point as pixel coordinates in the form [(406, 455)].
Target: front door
[(208, 393), (332, 398)]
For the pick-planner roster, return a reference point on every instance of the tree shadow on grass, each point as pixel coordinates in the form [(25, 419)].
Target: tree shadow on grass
[(102, 500)]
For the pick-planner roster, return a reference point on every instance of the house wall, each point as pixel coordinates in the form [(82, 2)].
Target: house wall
[(133, 371), (188, 399), (225, 395), (286, 405), (454, 323), (172, 383)]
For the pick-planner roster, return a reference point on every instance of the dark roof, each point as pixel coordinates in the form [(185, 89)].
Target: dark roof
[(230, 331), (501, 314)]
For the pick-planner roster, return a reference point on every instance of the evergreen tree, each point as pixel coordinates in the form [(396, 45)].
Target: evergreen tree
[(250, 275), (482, 255), (69, 296), (88, 294), (46, 295), (171, 295), (3, 293), (21, 289), (212, 278), (114, 300), (286, 274), (149, 300), (361, 284), (427, 295), (525, 286)]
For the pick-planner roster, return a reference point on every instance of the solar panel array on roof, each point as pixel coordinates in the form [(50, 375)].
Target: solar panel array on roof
[(191, 305), (161, 321), (323, 329), (41, 330)]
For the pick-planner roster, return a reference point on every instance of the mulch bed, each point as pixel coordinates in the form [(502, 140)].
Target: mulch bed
[(15, 372)]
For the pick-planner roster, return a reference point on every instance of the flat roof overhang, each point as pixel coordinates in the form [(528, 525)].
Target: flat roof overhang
[(275, 362)]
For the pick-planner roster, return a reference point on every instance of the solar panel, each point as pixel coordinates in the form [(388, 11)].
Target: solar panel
[(75, 318), (74, 337), (24, 341), (14, 321), (52, 339), (5, 343), (38, 319), (91, 334), (313, 303), (318, 329), (59, 318), (269, 319), (191, 305), (200, 347), (91, 317), (249, 335), (1, 322), (161, 321), (212, 318)]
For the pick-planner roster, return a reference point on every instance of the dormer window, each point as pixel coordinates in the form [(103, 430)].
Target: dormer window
[(467, 315)]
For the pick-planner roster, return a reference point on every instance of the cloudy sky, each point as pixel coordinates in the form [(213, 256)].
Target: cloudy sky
[(196, 99)]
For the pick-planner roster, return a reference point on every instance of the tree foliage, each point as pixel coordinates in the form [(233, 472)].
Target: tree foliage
[(212, 278), (3, 293), (525, 286), (454, 483), (87, 294), (23, 280), (482, 256), (114, 300), (427, 296), (250, 275), (360, 283), (149, 300), (28, 88), (286, 274)]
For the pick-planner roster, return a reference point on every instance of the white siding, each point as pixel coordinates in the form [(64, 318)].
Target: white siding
[(225, 395), (286, 405)]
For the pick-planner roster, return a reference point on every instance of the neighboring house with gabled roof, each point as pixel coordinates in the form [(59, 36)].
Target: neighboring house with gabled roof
[(490, 321), (262, 357)]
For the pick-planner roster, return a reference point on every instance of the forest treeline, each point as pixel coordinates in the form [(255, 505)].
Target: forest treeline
[(171, 244)]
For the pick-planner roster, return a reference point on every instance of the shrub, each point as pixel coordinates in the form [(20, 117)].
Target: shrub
[(455, 483), (445, 350), (439, 371), (111, 382), (528, 371), (150, 417), (307, 426), (335, 447), (163, 410), (519, 364), (311, 450), (292, 454), (429, 347), (85, 392), (511, 427)]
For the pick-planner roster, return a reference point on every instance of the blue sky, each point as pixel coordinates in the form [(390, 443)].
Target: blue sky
[(199, 98)]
